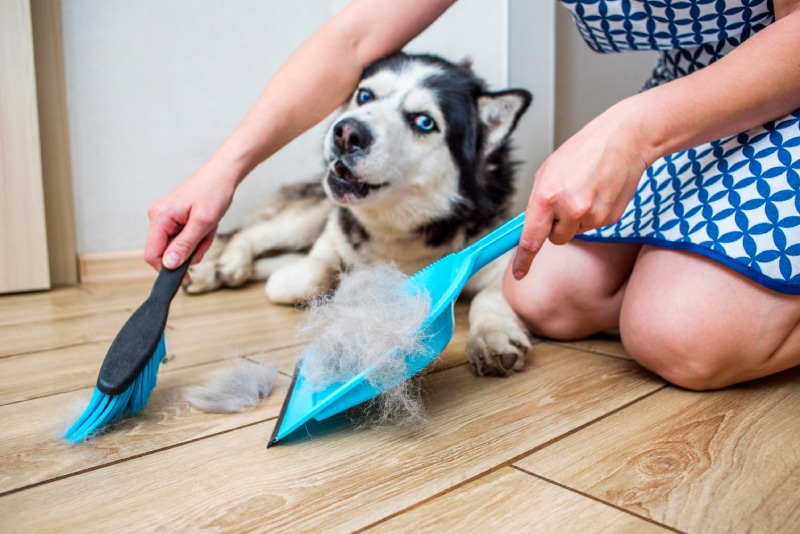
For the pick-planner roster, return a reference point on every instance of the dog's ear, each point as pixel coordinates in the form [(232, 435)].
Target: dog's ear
[(499, 113)]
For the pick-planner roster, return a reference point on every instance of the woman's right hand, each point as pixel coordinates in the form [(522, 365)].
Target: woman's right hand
[(186, 219), (586, 183)]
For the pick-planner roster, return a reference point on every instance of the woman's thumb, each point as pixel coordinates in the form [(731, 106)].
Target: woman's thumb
[(182, 246)]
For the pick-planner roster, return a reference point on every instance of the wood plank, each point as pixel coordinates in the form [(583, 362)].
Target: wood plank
[(608, 344), (59, 333), (51, 372), (22, 309), (342, 479), (113, 266), (23, 240), (210, 328), (130, 294), (725, 461), (100, 298), (63, 350), (511, 501), (74, 371), (33, 450)]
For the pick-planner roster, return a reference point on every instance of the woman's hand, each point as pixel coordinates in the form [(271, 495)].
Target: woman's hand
[(590, 179), (308, 87), (186, 219), (586, 183)]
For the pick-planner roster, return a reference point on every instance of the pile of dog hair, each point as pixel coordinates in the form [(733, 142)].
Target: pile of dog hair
[(236, 388), (370, 322)]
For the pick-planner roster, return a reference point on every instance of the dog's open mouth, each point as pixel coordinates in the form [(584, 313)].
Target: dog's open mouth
[(346, 186)]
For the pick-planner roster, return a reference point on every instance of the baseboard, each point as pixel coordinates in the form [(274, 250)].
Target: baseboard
[(117, 265)]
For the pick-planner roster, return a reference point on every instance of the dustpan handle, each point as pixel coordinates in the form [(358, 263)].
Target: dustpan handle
[(496, 243)]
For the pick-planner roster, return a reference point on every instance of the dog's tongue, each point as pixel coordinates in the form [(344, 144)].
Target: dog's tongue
[(346, 186)]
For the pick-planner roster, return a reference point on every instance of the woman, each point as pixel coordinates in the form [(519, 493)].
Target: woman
[(690, 306)]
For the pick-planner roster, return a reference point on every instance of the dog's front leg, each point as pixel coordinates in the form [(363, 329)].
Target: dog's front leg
[(203, 275), (498, 340), (292, 228), (306, 278)]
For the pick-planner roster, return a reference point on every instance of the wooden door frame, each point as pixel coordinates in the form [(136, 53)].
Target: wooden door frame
[(54, 138)]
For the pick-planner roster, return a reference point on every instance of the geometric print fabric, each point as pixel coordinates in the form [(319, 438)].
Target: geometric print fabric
[(735, 200), (624, 25)]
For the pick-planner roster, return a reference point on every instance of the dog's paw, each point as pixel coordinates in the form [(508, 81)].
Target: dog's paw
[(299, 281), (498, 352), (202, 279), (234, 267)]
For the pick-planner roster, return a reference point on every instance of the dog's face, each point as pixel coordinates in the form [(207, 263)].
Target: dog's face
[(411, 128), (390, 138)]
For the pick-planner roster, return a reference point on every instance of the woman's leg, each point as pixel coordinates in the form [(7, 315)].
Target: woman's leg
[(572, 290), (702, 326)]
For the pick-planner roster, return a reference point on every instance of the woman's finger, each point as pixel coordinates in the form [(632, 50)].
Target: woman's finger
[(162, 228), (185, 242), (563, 230), (537, 227)]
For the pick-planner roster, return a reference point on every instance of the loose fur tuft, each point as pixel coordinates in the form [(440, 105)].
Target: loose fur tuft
[(370, 322), (237, 388)]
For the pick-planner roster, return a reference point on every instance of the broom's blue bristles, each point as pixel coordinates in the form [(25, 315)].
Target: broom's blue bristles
[(103, 408)]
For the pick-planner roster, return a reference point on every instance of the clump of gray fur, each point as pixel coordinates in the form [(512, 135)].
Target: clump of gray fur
[(371, 322), (237, 388)]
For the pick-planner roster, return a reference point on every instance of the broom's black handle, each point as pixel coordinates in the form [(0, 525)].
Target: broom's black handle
[(136, 342), (168, 282)]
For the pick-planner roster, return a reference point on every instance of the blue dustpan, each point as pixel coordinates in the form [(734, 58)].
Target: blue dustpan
[(443, 281)]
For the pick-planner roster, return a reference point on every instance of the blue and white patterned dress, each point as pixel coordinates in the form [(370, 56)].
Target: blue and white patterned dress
[(735, 200)]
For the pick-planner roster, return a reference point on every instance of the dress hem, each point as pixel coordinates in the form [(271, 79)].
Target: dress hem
[(752, 274)]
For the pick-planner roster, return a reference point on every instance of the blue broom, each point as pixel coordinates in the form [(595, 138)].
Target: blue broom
[(129, 370)]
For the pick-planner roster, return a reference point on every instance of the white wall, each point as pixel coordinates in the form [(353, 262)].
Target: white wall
[(587, 82), (154, 86)]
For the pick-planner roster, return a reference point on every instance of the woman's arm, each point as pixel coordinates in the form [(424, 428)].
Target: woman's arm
[(317, 78), (753, 84), (590, 179)]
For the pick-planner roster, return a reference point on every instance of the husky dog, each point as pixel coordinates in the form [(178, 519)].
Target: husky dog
[(418, 167)]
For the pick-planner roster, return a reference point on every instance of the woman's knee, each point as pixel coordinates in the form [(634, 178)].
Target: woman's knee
[(678, 355), (573, 290), (550, 310), (541, 312), (702, 327)]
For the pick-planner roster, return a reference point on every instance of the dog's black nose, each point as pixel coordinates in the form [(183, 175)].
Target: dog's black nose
[(350, 135)]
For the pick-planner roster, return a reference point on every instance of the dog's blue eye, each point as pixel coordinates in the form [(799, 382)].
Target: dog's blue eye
[(364, 95), (424, 123)]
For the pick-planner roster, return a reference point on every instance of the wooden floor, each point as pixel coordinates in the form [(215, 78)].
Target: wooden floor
[(582, 441)]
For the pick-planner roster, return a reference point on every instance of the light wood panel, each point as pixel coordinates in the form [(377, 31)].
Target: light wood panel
[(22, 309), (200, 329), (54, 136), (23, 241), (726, 461), (59, 333), (341, 479), (111, 266), (33, 450), (511, 501), (578, 442), (607, 344)]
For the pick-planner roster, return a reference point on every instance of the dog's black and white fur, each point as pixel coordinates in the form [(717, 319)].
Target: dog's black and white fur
[(417, 167)]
